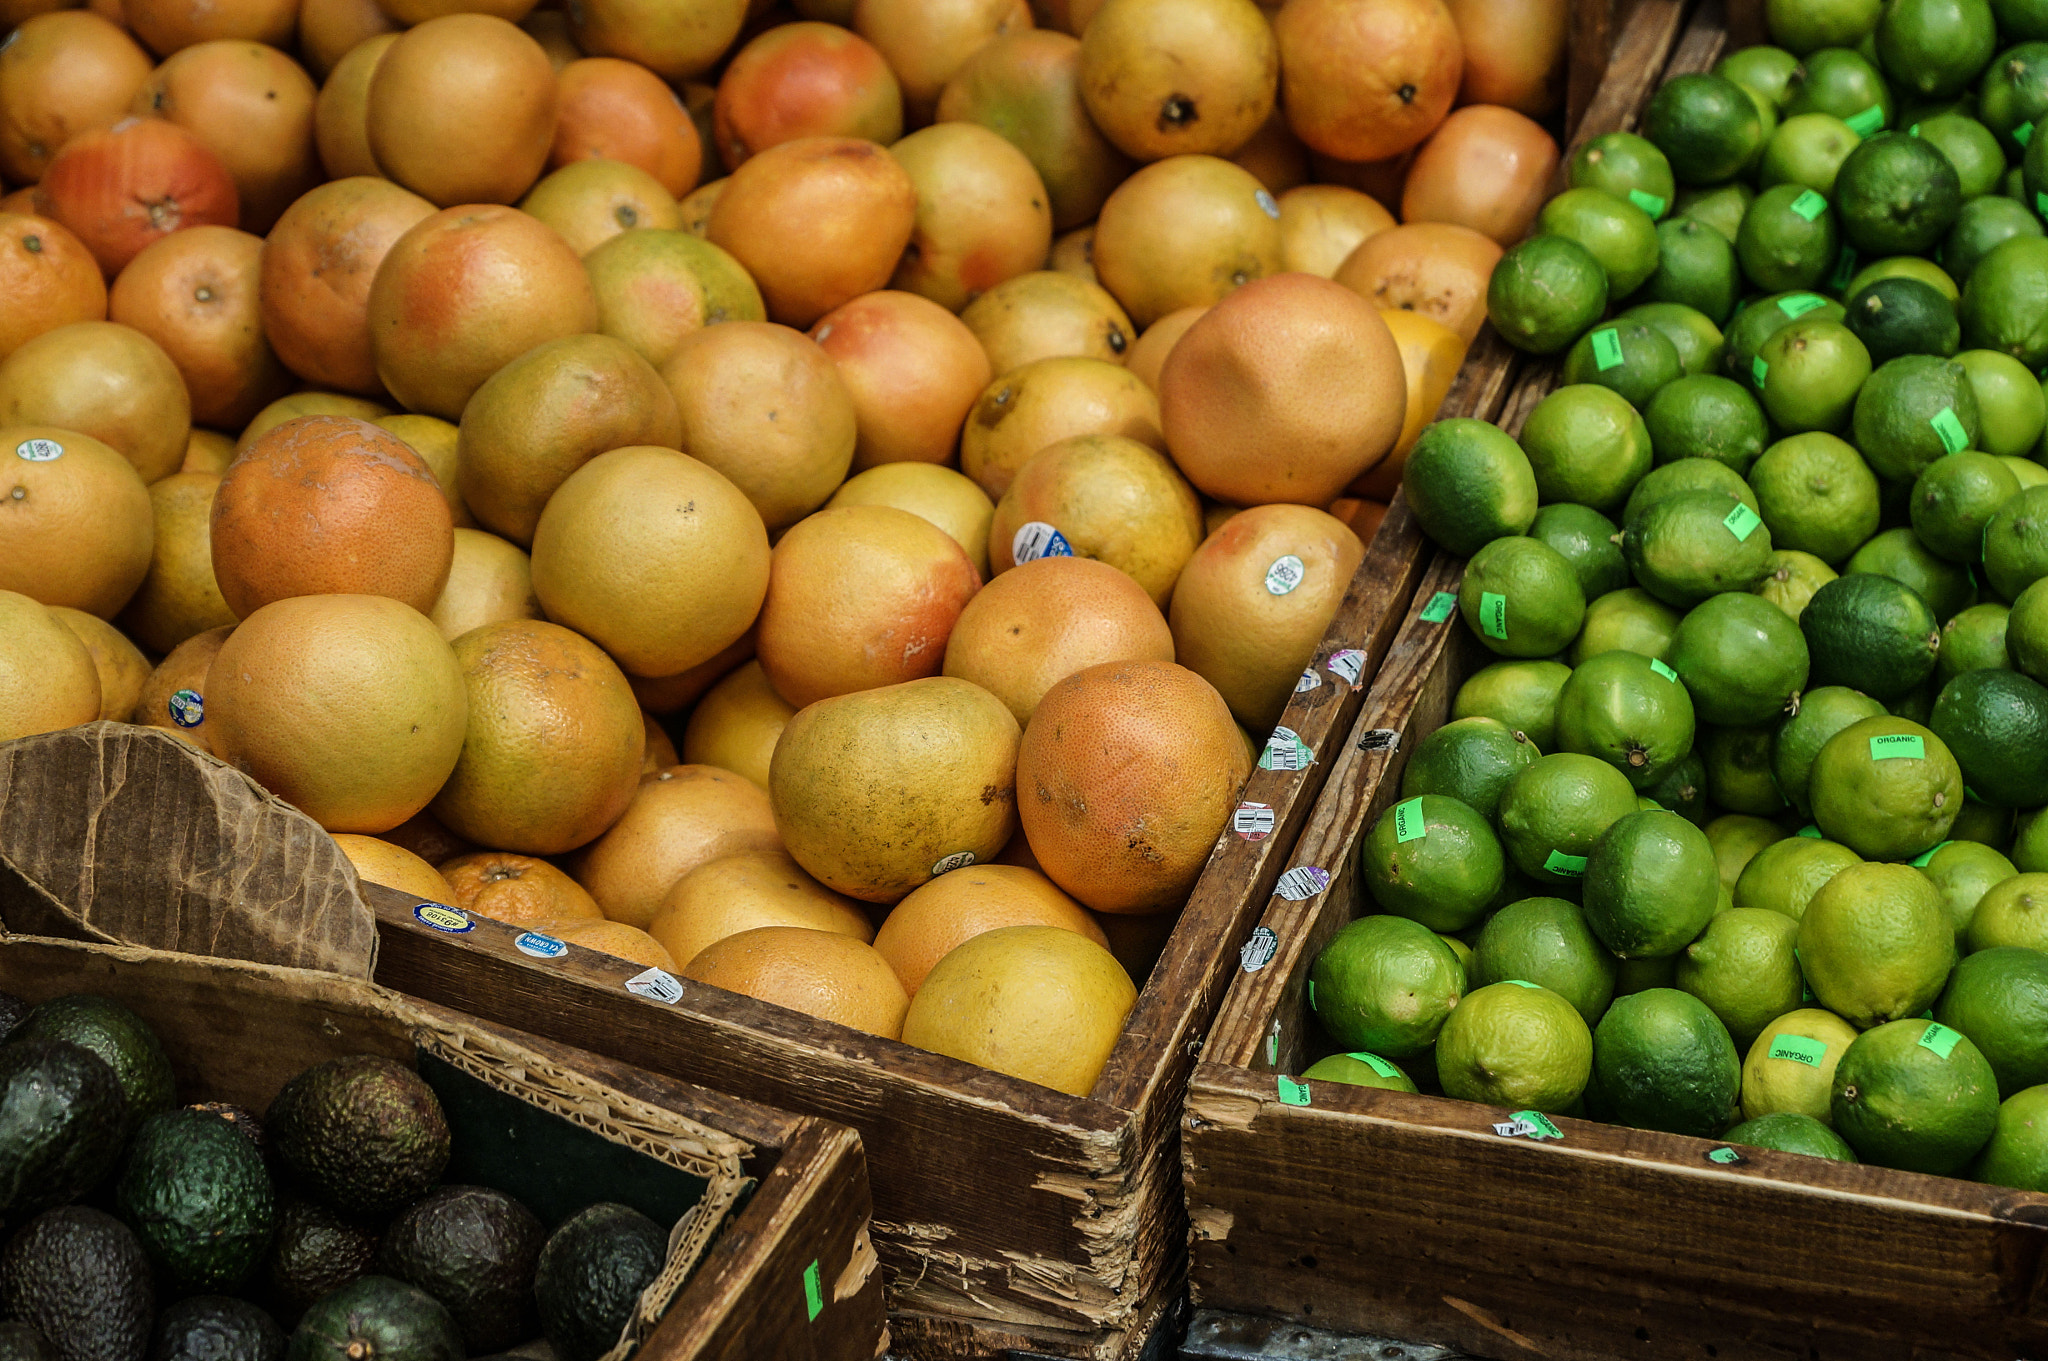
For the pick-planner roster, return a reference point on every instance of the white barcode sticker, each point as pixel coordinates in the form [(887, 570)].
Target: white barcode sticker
[(39, 450), (1252, 821), (657, 985), (1309, 681), (1256, 953), (1348, 665), (1285, 574), (1036, 540), (1285, 751), (1302, 883)]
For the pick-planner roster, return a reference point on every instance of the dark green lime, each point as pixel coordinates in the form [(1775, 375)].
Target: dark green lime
[(1521, 598), (1903, 316), (1469, 483), (1470, 760), (1788, 239), (1626, 166), (2005, 303), (1999, 998), (1545, 941), (1870, 633), (1695, 266), (1663, 1061), (1844, 83), (1433, 860), (1691, 332), (1719, 206), (1996, 725), (1935, 48), (1791, 1132), (1982, 226), (1823, 711), (1708, 126), (2016, 545), (1913, 410), (1628, 357), (1683, 789), (1954, 500), (1742, 659), (1585, 539), (1800, 26), (1896, 195), (1706, 416), (2021, 19), (1544, 293), (2013, 94), (1738, 762)]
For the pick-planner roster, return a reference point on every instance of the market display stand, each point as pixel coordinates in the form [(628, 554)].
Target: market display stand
[(1374, 1212)]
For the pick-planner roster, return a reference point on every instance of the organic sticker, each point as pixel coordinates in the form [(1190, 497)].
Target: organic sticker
[(1256, 953), (539, 946), (1292, 1093), (1439, 607), (1919, 862), (1302, 883), (958, 860), (1867, 122), (1727, 1157), (1661, 669), (1913, 131), (2041, 204), (1799, 1049), (1311, 994), (1285, 574), (1285, 751), (1810, 830), (1742, 521), (1528, 1124), (1759, 370), (1377, 1064), (39, 450), (2023, 134), (1607, 348), (442, 917), (1898, 745), (1954, 438), (1939, 1038), (1521, 983), (1649, 203), (1809, 205), (1493, 614), (1252, 821), (1348, 663), (1570, 866), (188, 710), (1408, 821), (814, 1294), (1799, 304), (656, 985), (1036, 539)]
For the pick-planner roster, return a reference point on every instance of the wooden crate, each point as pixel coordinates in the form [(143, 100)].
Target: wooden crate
[(1397, 1215), (784, 1201)]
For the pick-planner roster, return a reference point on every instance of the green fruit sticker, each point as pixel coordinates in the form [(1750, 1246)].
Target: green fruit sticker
[(1898, 746), (1292, 1093), (1439, 607), (1809, 205), (1742, 521), (1845, 269), (1723, 1156), (1606, 348), (814, 1293), (1408, 821), (1666, 672), (1799, 1049), (1649, 203), (1532, 1124), (1521, 983), (1799, 304), (1954, 438), (2023, 134), (1493, 614), (1867, 122), (1919, 862), (1759, 370), (2041, 204), (1810, 830), (1377, 1064), (1571, 866), (1939, 1039)]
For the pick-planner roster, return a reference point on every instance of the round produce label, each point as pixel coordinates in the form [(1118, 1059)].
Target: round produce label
[(1037, 539), (1285, 574), (39, 450), (188, 710)]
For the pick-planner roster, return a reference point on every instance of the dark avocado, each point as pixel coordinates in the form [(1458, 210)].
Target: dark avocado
[(475, 1250), (80, 1278), (361, 1134)]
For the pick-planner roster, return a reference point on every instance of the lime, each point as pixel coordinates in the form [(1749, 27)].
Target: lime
[(1903, 267), (1955, 499), (1783, 876), (1736, 839), (1586, 444), (1844, 83), (1385, 984), (1947, 587), (1887, 788), (1687, 474), (1686, 547), (1964, 871), (1810, 373), (1632, 620), (1915, 706), (2030, 842), (2026, 632), (1791, 1133), (2011, 913), (1935, 48), (2005, 302), (1470, 760), (1788, 238), (2021, 19), (1996, 723), (2010, 405), (2030, 473), (1469, 483), (1764, 71), (1915, 1095), (1359, 1070), (1741, 658), (2017, 1154), (1983, 225), (1800, 26), (1790, 1068), (1521, 598), (1707, 125), (1762, 318), (1913, 410), (1520, 695), (2013, 93), (1898, 316), (1620, 235), (1650, 885), (1972, 641), (1816, 495), (1822, 713), (1807, 150), (1631, 358), (1524, 1048), (1433, 859), (1999, 998), (1971, 148), (1876, 943), (1706, 416), (1695, 266), (1553, 813), (1738, 764), (1661, 1060), (1629, 711), (1683, 789), (1896, 195), (1626, 166), (1692, 334), (1793, 578), (2016, 543), (1546, 941), (1872, 633), (1743, 969), (1586, 539), (1719, 206), (1544, 292), (1460, 949)]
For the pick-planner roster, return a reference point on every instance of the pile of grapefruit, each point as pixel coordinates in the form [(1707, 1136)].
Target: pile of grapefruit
[(828, 502)]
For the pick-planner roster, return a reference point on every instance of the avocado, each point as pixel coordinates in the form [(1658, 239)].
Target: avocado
[(361, 1134), (240, 1117), (197, 1194), (316, 1252), (80, 1278), (62, 1117), (216, 1328), (376, 1319), (591, 1274), (20, 1342), (118, 1036), (12, 1010), (475, 1250)]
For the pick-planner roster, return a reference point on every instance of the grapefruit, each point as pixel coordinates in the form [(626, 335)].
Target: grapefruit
[(122, 668), (462, 110), (655, 287), (1183, 232), (1046, 401), (76, 526), (174, 696), (195, 293), (394, 867), (926, 41), (341, 115), (250, 105), (48, 278), (955, 908), (1105, 497), (913, 371), (1364, 80), (1321, 224), (983, 215), (62, 74), (745, 891), (1166, 77), (1148, 356), (617, 111), (439, 445), (519, 889), (940, 495), (737, 724), (120, 188), (804, 79), (824, 974), (590, 201), (47, 676), (1047, 313), (678, 819), (490, 581), (104, 380), (617, 940), (1439, 269)]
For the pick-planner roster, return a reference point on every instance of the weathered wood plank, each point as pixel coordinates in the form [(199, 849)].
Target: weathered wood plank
[(1588, 51)]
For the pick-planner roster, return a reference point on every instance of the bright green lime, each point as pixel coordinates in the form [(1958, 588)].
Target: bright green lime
[(1432, 859), (1783, 876), (1790, 1132), (1629, 357), (1553, 814), (1970, 147), (1876, 943), (1628, 711), (1707, 125), (1887, 788), (1521, 695), (1955, 498), (1692, 334), (1742, 967), (1972, 641), (1790, 1069), (1965, 871), (1619, 234), (1470, 760), (1651, 885), (1983, 225), (1793, 578), (1935, 48), (1903, 267), (1816, 495), (1915, 1095), (1385, 984), (1765, 72), (2010, 405), (1469, 483), (1521, 598), (2013, 93), (1823, 712), (1913, 410), (2030, 842), (1545, 941), (1358, 1070), (1706, 416), (1947, 587), (2030, 473), (1760, 319), (2016, 543), (1695, 266), (1999, 998), (1736, 839), (1810, 373), (1586, 539), (1807, 151), (1719, 206), (1544, 292), (1626, 166), (1741, 658), (1896, 316), (2026, 632), (1788, 238), (1631, 620), (1687, 474), (1661, 1060), (2017, 1154), (1686, 547), (2005, 302), (1844, 83), (1525, 1048), (1586, 444), (1896, 195), (2011, 913), (1800, 26)]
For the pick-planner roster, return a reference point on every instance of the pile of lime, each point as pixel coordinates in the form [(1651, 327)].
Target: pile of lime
[(1743, 836)]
